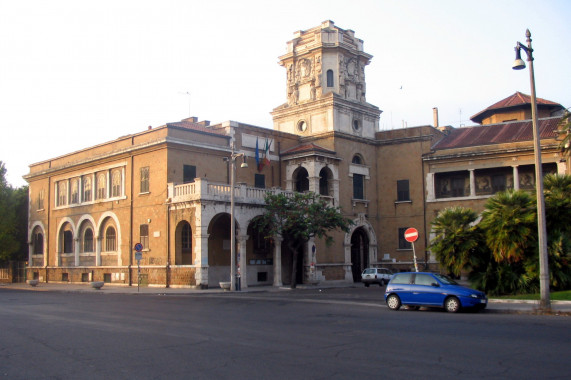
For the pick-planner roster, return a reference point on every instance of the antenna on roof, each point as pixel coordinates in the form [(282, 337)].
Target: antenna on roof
[(187, 93)]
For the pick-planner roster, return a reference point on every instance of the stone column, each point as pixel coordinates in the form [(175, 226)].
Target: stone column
[(242, 262), (347, 266), (201, 259), (430, 196), (516, 177), (76, 247), (278, 261), (472, 183), (98, 250)]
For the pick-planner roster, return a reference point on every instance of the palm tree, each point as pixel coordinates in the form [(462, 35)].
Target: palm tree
[(557, 190), (564, 129), (509, 224), (456, 238)]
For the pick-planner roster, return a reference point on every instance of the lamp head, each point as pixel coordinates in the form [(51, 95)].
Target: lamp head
[(519, 64), (244, 164)]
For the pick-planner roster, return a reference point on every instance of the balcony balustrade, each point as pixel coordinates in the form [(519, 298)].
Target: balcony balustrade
[(204, 190)]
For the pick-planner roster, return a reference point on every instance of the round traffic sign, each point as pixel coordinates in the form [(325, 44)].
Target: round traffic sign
[(411, 234), (138, 247)]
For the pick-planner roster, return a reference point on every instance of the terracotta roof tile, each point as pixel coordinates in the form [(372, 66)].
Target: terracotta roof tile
[(515, 100), (509, 132)]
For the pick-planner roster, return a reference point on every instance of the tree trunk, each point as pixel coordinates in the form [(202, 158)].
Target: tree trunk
[(295, 252)]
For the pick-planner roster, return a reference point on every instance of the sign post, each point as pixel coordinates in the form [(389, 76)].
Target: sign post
[(138, 257), (410, 235)]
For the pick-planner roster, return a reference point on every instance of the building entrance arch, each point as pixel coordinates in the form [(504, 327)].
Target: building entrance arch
[(360, 248), (359, 253)]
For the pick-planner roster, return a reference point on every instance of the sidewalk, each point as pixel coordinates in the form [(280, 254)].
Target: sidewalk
[(494, 305)]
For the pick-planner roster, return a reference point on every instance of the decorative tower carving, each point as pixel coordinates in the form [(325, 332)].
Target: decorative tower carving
[(325, 84)]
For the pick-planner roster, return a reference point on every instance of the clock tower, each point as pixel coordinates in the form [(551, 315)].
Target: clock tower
[(325, 85)]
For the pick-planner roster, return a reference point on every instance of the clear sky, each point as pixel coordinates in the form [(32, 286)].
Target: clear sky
[(79, 73)]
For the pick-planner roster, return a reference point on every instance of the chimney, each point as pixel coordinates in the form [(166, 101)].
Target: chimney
[(435, 116), (192, 119)]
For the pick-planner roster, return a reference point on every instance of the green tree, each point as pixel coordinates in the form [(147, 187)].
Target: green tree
[(297, 218), (9, 243), (456, 238), (509, 222)]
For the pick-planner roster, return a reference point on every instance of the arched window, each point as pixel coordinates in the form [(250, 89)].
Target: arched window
[(324, 181), (38, 242), (86, 189), (357, 160), (88, 240), (186, 237), (101, 186), (110, 240), (116, 183), (67, 241), (330, 82), (62, 193), (74, 191), (301, 180)]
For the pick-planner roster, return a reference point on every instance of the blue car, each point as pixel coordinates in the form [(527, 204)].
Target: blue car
[(414, 289)]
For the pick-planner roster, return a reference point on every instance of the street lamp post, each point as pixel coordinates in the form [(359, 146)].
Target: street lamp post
[(232, 160), (519, 64)]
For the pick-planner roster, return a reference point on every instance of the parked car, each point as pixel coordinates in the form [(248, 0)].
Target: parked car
[(414, 289), (379, 276)]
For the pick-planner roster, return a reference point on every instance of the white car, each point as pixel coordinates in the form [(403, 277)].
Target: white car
[(379, 276)]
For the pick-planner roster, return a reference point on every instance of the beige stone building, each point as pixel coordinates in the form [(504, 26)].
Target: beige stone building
[(168, 188)]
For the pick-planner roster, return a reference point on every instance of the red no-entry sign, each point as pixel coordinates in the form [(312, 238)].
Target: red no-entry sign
[(411, 234)]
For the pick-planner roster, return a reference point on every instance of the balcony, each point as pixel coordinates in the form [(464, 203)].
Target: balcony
[(203, 190)]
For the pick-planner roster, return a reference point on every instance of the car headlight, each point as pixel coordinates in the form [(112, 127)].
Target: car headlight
[(474, 296)]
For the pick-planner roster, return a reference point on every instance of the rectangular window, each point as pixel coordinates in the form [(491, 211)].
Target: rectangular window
[(498, 183), (144, 188), (189, 173), (403, 244), (144, 235), (260, 181), (458, 185), (403, 190), (358, 186), (41, 200)]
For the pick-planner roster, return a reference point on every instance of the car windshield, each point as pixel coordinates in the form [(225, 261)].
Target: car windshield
[(445, 279)]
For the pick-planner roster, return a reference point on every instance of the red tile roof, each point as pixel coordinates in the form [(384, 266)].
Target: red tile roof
[(309, 147), (516, 100), (508, 132)]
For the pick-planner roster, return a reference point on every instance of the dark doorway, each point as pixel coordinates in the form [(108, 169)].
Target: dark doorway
[(359, 253)]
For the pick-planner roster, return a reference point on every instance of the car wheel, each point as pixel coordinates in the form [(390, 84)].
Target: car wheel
[(452, 304), (393, 302)]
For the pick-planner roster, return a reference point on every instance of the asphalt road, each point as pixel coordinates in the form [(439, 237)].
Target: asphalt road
[(303, 334)]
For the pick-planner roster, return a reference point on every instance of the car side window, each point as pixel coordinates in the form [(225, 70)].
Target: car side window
[(402, 278), (424, 279)]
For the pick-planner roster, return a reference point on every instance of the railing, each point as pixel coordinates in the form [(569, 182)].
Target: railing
[(202, 189)]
